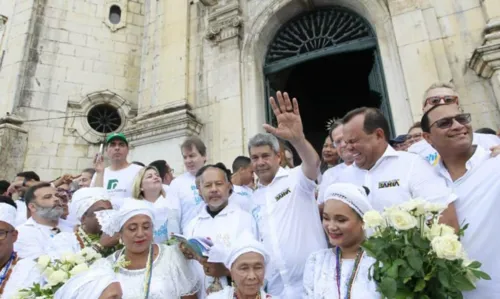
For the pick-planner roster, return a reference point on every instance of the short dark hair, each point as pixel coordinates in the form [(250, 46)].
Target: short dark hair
[(241, 162), (220, 166), (4, 186), (8, 200), (486, 131), (89, 170), (197, 143), (29, 196), (139, 163), (425, 121), (29, 176), (374, 119), (161, 166), (337, 123)]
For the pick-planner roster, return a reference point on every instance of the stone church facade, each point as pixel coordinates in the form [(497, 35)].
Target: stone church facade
[(72, 71)]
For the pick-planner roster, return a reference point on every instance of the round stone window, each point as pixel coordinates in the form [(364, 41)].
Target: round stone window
[(104, 118)]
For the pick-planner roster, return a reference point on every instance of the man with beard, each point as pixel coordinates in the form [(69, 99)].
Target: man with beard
[(17, 273), (41, 233)]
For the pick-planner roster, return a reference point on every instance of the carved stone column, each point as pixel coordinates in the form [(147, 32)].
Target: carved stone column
[(485, 60), (224, 23), (13, 146)]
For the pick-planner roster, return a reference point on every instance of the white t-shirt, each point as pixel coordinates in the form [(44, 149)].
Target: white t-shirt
[(329, 177), (119, 183), (426, 151), (183, 190), (478, 204), (242, 196), (289, 226), (398, 177), (22, 212)]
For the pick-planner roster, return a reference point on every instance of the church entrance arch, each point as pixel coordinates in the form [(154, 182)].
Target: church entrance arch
[(329, 60)]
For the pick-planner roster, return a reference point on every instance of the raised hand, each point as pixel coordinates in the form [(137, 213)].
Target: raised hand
[(287, 114)]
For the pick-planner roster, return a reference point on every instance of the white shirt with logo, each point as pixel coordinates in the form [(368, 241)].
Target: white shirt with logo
[(397, 177), (329, 177), (118, 183), (478, 205), (223, 230), (183, 190), (426, 151), (242, 196), (289, 226)]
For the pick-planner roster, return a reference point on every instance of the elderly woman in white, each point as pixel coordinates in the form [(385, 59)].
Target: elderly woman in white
[(247, 260), (145, 269), (342, 271), (100, 282)]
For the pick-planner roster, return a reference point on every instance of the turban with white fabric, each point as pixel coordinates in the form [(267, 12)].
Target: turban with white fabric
[(350, 194), (112, 221), (8, 214), (84, 198), (245, 243), (89, 284)]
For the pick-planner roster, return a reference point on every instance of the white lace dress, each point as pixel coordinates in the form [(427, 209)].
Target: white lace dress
[(320, 282), (172, 276), (228, 293)]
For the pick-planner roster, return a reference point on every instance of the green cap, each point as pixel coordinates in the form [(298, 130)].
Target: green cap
[(120, 136)]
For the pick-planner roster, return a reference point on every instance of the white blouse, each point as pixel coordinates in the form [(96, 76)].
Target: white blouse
[(228, 293), (172, 276), (320, 281)]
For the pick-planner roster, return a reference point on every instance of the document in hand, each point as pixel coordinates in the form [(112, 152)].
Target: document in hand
[(199, 245)]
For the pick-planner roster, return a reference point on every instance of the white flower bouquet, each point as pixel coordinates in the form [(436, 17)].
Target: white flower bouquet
[(416, 256), (57, 272)]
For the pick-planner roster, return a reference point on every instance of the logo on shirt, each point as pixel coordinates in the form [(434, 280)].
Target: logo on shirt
[(388, 184), (112, 184), (196, 195), (282, 194), (433, 159)]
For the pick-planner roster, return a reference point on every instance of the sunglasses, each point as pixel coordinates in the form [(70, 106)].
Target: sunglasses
[(447, 122), (437, 99)]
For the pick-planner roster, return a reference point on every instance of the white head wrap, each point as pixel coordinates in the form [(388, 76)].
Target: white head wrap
[(8, 214), (350, 194), (111, 221), (84, 198), (245, 243), (89, 284)]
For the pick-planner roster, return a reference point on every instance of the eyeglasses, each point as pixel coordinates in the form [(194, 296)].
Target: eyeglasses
[(447, 122), (437, 99), (4, 233)]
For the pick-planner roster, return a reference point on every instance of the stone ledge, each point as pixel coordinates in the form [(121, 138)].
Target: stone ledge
[(163, 124), (486, 60)]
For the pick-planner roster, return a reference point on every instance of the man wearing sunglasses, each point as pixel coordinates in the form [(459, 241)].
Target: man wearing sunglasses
[(475, 178), (446, 94)]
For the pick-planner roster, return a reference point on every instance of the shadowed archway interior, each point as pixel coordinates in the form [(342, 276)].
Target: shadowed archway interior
[(328, 60)]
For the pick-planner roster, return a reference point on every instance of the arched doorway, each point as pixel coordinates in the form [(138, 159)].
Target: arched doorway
[(329, 60)]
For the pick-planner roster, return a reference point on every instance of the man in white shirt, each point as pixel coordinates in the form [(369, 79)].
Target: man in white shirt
[(165, 171), (332, 175), (446, 93), (393, 177), (286, 211), (41, 233), (475, 177), (242, 177), (119, 176), (183, 188)]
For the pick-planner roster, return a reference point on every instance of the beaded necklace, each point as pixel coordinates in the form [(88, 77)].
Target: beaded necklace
[(11, 263), (354, 272), (236, 295)]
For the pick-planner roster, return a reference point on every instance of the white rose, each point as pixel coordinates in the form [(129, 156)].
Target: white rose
[(48, 271), (447, 247), (57, 277), (373, 219), (90, 254), (43, 261), (79, 269), (402, 220), (434, 207), (438, 230), (79, 259), (415, 205), (68, 258)]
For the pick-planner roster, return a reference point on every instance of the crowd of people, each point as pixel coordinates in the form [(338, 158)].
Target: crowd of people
[(276, 230)]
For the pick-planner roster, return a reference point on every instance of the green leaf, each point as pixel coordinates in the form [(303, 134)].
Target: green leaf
[(404, 294), (481, 274), (415, 262), (420, 285), (420, 242), (388, 287), (444, 279), (462, 283), (474, 265), (393, 271)]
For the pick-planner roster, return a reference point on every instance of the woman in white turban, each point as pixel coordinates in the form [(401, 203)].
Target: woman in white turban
[(343, 270), (247, 260), (145, 269), (100, 282)]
